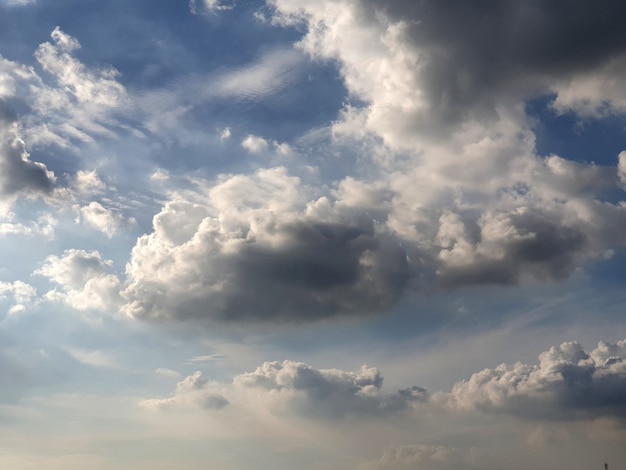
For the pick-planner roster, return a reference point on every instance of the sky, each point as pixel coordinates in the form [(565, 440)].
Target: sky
[(331, 234)]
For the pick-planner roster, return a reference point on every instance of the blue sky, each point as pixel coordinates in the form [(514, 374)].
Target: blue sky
[(321, 235)]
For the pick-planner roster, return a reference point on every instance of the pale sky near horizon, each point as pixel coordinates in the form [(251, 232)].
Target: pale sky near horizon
[(330, 234)]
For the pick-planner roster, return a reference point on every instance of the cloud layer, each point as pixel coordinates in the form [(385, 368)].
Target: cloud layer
[(568, 383)]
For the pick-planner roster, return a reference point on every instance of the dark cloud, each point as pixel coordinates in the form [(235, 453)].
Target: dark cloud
[(474, 54), (315, 269), (531, 243), (19, 175)]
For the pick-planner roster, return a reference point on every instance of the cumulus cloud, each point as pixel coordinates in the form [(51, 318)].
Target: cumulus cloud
[(85, 280), (294, 388), (462, 179), (461, 60), (191, 393), (252, 248), (448, 190), (568, 382)]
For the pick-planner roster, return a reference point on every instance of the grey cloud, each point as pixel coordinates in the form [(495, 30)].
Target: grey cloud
[(530, 242), (320, 272), (257, 264), (475, 53), (568, 382), (18, 174)]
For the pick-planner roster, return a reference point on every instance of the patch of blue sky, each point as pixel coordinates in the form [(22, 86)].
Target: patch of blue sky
[(569, 136)]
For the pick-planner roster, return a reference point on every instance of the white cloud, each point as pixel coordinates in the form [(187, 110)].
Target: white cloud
[(568, 382), (85, 280), (257, 144), (88, 183), (20, 293), (93, 358), (594, 94), (18, 3), (69, 104), (191, 393), (621, 168), (168, 373), (254, 144), (103, 219), (271, 73), (43, 226), (225, 134)]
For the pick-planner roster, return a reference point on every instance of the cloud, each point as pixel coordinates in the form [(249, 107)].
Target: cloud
[(461, 185), (621, 168), (257, 144), (17, 3), (254, 144), (93, 358), (272, 72), (168, 373), (294, 388), (88, 183), (461, 62), (19, 176), (70, 104), (253, 247), (327, 393), (210, 6), (43, 226), (567, 383), (20, 293), (431, 457), (103, 219), (85, 280), (191, 393)]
